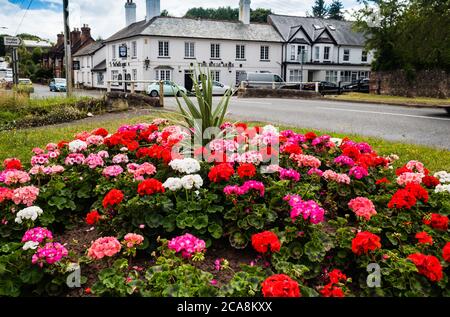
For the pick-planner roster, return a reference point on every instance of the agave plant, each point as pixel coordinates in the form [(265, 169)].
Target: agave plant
[(201, 115)]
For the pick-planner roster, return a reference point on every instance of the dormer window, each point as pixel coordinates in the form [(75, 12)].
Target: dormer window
[(331, 27), (316, 27)]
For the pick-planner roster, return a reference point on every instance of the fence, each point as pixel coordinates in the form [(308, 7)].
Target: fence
[(123, 84), (278, 85)]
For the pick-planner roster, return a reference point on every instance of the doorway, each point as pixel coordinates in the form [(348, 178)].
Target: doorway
[(188, 82), (310, 75)]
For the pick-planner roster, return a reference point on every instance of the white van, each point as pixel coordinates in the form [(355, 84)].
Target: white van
[(258, 80)]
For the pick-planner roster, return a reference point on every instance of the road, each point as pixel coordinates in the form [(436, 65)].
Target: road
[(411, 125), (41, 91)]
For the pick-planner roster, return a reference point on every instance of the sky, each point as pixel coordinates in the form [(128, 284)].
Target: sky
[(105, 17)]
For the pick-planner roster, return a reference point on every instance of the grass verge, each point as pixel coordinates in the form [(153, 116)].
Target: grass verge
[(19, 143), (392, 99)]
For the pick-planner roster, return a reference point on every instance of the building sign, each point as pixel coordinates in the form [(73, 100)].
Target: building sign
[(12, 41), (123, 51), (76, 65)]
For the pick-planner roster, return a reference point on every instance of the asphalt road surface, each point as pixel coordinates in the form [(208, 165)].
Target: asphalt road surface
[(411, 125)]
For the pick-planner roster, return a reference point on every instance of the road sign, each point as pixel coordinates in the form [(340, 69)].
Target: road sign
[(12, 41)]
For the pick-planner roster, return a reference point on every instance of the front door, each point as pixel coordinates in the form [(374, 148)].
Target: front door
[(310, 75), (188, 82)]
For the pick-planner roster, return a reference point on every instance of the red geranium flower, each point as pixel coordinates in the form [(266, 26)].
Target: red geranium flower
[(424, 238), (430, 181), (418, 192), (265, 241), (242, 126), (292, 149), (428, 265), (446, 252), (150, 186), (12, 164), (310, 136), (62, 144), (246, 170), (280, 285), (364, 242), (100, 131), (112, 198), (437, 221), (93, 217), (402, 199), (399, 171), (336, 276), (351, 151), (383, 180), (330, 290), (221, 172)]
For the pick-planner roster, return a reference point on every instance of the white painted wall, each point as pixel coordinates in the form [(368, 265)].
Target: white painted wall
[(85, 76)]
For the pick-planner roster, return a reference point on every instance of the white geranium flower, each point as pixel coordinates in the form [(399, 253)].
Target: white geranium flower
[(190, 181), (270, 129), (31, 213), (173, 184), (30, 245), (336, 141), (443, 177), (442, 188), (77, 146), (186, 166)]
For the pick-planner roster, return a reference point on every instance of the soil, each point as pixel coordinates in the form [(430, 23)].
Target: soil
[(78, 240)]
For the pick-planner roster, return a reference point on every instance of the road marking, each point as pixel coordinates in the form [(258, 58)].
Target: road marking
[(253, 102), (386, 113)]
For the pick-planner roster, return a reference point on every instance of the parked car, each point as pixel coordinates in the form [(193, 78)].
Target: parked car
[(58, 85), (323, 86), (25, 82), (361, 85), (263, 80), (218, 88), (169, 88)]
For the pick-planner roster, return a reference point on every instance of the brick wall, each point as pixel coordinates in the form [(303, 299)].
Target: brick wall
[(434, 83)]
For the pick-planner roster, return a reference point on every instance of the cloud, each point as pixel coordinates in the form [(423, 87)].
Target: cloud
[(107, 17)]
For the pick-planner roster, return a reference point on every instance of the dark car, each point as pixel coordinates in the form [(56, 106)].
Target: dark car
[(361, 85), (323, 86)]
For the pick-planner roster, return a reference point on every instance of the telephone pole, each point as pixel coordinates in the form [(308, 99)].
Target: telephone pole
[(67, 48)]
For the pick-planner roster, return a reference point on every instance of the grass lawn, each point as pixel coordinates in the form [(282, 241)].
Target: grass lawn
[(19, 143), (391, 99)]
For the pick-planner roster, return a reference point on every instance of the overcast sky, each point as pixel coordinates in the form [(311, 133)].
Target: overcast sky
[(105, 17)]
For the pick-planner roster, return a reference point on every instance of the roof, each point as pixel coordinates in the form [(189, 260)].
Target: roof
[(196, 28), (340, 30), (90, 49), (101, 67)]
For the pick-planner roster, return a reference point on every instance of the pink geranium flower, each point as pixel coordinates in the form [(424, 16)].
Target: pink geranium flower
[(362, 207), (107, 246)]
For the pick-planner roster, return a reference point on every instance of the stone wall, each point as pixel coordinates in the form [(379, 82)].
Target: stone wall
[(120, 101), (276, 93), (434, 84)]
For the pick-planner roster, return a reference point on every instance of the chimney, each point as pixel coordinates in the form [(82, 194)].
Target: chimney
[(153, 9), (60, 39), (85, 32), (130, 12), (244, 11), (75, 36)]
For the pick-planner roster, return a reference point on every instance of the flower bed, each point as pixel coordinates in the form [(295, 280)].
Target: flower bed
[(316, 214)]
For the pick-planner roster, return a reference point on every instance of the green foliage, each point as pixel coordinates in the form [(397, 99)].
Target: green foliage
[(335, 10), (319, 9), (397, 31), (227, 14), (246, 283)]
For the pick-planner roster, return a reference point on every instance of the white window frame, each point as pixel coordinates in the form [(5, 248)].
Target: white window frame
[(364, 56), (317, 53), (264, 53), (189, 49), (134, 49), (346, 56), (100, 78), (215, 75), (115, 76), (326, 53), (163, 74), (114, 52), (331, 76), (295, 76), (240, 51), (215, 51), (163, 49), (134, 72)]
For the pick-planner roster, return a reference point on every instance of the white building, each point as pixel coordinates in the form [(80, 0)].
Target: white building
[(169, 48), (92, 66), (325, 49)]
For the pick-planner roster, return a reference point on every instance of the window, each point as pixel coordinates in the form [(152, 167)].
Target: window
[(113, 52), (215, 75), (331, 76), (163, 49), (215, 51), (115, 77), (346, 76), (295, 76), (240, 51), (240, 76), (317, 53), (346, 55), (326, 53), (189, 50), (293, 51), (100, 78), (364, 56), (134, 74), (163, 74), (298, 52), (134, 49), (264, 53), (364, 74)]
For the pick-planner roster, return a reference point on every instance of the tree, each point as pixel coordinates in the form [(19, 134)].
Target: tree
[(227, 14), (165, 13), (319, 9), (335, 10), (260, 15)]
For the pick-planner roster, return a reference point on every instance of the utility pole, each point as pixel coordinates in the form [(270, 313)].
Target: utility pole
[(67, 48), (15, 65)]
